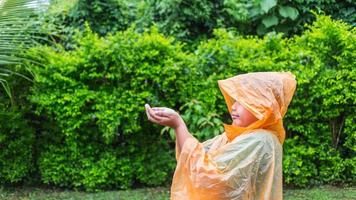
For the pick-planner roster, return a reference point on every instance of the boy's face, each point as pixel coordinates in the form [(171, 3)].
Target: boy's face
[(241, 116)]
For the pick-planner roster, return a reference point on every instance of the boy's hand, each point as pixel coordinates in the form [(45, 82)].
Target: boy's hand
[(163, 116)]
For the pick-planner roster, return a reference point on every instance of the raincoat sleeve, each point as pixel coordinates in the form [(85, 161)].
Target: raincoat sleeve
[(228, 172)]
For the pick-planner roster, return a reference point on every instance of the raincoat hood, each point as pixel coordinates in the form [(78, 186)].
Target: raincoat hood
[(265, 94)]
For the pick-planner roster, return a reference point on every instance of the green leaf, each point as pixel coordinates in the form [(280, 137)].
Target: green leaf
[(270, 21), (261, 29), (288, 12), (255, 12), (266, 5)]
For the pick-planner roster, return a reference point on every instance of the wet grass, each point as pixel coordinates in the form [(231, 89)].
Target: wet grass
[(160, 193)]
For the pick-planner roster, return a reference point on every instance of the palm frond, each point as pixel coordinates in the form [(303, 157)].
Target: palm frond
[(19, 30)]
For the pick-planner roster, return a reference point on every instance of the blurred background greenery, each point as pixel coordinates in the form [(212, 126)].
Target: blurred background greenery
[(75, 76)]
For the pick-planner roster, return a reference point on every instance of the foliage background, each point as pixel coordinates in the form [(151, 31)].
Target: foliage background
[(81, 122)]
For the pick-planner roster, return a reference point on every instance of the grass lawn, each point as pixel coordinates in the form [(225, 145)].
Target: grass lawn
[(322, 193)]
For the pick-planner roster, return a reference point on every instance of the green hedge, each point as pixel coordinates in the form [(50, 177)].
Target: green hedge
[(17, 132), (94, 133), (16, 142), (95, 97)]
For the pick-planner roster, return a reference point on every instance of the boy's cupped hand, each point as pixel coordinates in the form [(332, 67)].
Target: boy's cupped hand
[(163, 116)]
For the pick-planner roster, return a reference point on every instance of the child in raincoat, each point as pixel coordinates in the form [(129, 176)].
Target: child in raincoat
[(245, 161)]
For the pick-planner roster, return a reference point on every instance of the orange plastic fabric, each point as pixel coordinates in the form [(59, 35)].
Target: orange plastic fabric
[(265, 94), (243, 162)]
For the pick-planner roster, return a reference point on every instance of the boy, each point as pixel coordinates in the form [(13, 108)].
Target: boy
[(244, 162)]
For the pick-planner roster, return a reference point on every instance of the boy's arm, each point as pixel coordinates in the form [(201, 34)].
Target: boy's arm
[(182, 133)]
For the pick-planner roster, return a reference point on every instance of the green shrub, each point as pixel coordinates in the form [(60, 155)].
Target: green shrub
[(263, 16), (191, 20), (194, 20), (95, 97), (103, 16), (64, 18), (153, 160), (187, 20), (16, 142), (88, 166), (17, 131), (96, 136)]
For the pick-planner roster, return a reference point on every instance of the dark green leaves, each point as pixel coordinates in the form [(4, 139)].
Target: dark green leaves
[(288, 12), (270, 21), (266, 5)]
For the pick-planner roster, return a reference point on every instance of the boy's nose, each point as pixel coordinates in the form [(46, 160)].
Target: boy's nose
[(234, 106)]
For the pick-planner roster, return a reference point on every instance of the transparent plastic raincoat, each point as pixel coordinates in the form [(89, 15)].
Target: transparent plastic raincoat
[(242, 162)]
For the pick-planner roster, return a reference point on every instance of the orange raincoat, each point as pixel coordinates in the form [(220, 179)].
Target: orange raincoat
[(243, 162)]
